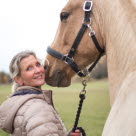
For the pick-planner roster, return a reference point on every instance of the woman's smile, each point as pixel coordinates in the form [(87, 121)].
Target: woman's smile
[(32, 72)]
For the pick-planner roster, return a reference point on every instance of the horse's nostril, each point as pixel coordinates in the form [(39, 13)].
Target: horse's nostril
[(58, 72), (58, 75)]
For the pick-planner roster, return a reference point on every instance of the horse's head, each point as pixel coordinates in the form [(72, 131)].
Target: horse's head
[(71, 18)]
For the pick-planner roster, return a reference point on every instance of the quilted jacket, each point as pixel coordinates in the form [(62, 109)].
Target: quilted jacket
[(31, 114)]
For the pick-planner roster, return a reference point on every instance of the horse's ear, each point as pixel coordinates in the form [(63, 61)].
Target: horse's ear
[(18, 80)]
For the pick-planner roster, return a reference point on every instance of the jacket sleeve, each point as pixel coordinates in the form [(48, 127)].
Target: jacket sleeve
[(40, 119)]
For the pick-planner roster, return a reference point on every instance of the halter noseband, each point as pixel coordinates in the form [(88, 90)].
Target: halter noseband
[(68, 58)]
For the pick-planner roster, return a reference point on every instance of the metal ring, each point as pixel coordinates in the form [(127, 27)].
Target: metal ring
[(87, 77), (91, 33), (87, 23)]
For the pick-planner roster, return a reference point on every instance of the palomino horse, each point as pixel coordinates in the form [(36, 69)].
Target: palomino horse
[(114, 23)]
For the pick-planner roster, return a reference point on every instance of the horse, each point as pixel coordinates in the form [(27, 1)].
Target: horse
[(114, 23)]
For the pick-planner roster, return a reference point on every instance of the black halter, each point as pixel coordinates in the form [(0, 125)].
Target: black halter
[(68, 58)]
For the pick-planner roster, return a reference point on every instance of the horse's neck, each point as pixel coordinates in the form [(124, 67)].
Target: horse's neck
[(120, 45)]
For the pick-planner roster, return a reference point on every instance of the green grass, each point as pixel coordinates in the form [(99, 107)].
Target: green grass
[(95, 107)]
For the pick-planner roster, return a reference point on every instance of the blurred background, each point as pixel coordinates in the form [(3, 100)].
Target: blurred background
[(27, 24)]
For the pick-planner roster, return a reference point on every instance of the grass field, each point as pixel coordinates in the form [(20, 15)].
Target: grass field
[(95, 107)]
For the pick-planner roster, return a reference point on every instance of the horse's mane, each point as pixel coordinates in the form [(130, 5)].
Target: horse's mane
[(130, 11)]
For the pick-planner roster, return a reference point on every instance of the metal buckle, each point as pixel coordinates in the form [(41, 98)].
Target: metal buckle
[(85, 4), (85, 72), (68, 58)]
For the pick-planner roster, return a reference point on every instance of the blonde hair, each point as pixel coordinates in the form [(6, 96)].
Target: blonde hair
[(14, 66)]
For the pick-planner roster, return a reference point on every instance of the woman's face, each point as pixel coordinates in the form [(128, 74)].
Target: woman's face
[(32, 72)]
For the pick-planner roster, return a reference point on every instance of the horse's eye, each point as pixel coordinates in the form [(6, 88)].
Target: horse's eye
[(64, 16)]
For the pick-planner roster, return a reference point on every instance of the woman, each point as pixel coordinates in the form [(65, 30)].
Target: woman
[(29, 111)]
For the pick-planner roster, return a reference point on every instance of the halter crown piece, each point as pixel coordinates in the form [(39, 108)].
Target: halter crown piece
[(68, 58)]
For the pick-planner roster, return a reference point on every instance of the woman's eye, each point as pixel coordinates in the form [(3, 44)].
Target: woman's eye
[(38, 64), (64, 16), (29, 68)]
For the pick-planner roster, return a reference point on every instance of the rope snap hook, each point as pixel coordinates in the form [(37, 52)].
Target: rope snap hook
[(84, 83)]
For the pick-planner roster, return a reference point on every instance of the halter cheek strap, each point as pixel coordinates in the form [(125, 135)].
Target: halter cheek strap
[(68, 58)]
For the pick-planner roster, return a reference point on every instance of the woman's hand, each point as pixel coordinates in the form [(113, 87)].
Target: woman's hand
[(76, 133)]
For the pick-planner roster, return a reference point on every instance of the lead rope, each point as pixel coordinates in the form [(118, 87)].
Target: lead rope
[(82, 98)]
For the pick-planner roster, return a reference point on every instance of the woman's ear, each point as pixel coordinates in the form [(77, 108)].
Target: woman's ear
[(18, 80)]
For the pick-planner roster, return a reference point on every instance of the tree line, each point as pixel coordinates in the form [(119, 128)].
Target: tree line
[(99, 72), (5, 78)]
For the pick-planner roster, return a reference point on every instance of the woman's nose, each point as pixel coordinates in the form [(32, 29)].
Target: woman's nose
[(37, 69)]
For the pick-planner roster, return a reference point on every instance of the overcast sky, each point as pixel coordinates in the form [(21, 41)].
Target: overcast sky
[(27, 24)]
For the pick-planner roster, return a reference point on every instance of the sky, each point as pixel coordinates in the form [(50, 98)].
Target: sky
[(27, 25)]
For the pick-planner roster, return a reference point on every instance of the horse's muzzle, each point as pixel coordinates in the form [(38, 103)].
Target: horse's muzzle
[(57, 79)]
